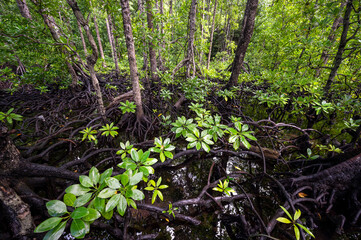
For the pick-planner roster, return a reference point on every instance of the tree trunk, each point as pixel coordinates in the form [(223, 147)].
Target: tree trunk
[(212, 32), (24, 10), (331, 38), (152, 54), (245, 38), (131, 58), (192, 30), (202, 31), (341, 48), (112, 42), (145, 55), (82, 39), (99, 41), (54, 31), (162, 45), (91, 59)]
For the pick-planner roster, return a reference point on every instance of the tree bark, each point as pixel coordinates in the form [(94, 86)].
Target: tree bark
[(54, 31), (99, 41), (112, 42), (245, 38), (82, 39), (152, 54), (24, 10), (331, 38), (131, 58), (212, 32), (341, 48), (192, 30), (91, 59), (145, 55)]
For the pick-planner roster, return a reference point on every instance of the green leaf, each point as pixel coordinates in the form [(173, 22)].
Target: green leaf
[(56, 208), (108, 215), (92, 216), (99, 204), (107, 173), (106, 193), (77, 189), (124, 178), (48, 224), (154, 196), (297, 215), (168, 155), (206, 147), (112, 183), (79, 213), (56, 232), (160, 195), (94, 175), (136, 178), (162, 157), (69, 199), (82, 200), (135, 155), (306, 230), (283, 220), (85, 181), (78, 228), (131, 203), (285, 210), (137, 195), (122, 205), (112, 203), (245, 142), (297, 232)]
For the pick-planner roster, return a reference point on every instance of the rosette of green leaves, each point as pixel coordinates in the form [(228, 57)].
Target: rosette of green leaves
[(164, 148), (88, 133), (155, 187), (292, 220), (76, 197), (223, 187), (109, 130), (10, 116), (139, 161), (215, 128), (127, 107), (182, 126), (120, 191), (125, 149), (239, 135), (199, 141)]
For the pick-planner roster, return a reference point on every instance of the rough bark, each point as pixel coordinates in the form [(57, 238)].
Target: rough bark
[(112, 42), (82, 39), (192, 30), (131, 58), (341, 47), (24, 10), (161, 30), (17, 212), (91, 59), (331, 38), (212, 32), (152, 54), (245, 38), (99, 40)]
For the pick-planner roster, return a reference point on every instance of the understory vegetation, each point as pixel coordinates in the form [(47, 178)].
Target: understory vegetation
[(188, 119)]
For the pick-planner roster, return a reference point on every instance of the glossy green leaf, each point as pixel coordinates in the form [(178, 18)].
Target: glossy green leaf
[(112, 203), (79, 213), (94, 175), (48, 224), (136, 178), (283, 220), (69, 199), (82, 200), (112, 183), (99, 204), (106, 193), (56, 208), (85, 181), (77, 228), (77, 189), (107, 173), (56, 232), (122, 205), (137, 195), (92, 215)]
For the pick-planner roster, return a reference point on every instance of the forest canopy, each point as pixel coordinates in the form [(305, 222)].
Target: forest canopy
[(193, 119)]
